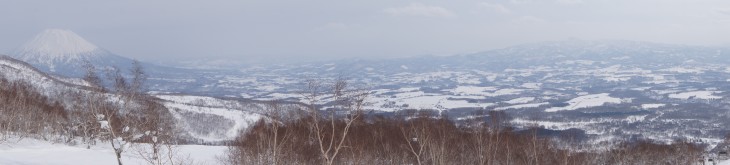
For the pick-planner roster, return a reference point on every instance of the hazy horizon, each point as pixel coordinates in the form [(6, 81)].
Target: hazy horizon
[(264, 31)]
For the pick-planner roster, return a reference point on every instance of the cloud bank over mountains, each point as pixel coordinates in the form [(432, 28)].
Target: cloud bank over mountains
[(328, 29)]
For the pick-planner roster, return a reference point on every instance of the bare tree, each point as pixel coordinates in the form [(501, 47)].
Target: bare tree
[(26, 112), (497, 121), (94, 101), (108, 109), (330, 131), (278, 116), (157, 130), (268, 141), (416, 136), (480, 133)]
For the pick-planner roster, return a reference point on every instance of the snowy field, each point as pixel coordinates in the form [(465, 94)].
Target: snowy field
[(706, 95), (37, 152), (587, 101), (652, 106)]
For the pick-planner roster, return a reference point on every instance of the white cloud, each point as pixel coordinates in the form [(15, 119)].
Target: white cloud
[(530, 19), (722, 16), (570, 1), (521, 1), (567, 2), (417, 9), (334, 26), (494, 7), (725, 11)]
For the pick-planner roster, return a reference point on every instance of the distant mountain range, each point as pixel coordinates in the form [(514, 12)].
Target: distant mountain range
[(519, 56), (545, 53), (618, 51)]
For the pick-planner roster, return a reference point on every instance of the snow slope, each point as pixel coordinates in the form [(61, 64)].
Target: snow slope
[(15, 70), (189, 110), (211, 119), (32, 152)]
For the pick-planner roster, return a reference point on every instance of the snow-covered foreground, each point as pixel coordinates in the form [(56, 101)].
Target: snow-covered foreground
[(30, 152)]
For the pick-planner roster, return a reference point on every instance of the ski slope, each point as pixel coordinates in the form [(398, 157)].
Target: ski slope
[(32, 152)]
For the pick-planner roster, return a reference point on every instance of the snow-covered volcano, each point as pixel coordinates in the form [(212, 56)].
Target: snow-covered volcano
[(65, 52)]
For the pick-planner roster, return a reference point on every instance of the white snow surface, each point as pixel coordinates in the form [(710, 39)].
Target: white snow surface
[(484, 91), (706, 95), (38, 152), (520, 100), (586, 101), (420, 100), (652, 106), (531, 85), (684, 70), (416, 99)]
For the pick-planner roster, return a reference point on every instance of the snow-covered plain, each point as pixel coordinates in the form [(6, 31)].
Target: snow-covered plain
[(586, 101), (652, 106), (520, 100), (421, 100), (472, 90), (705, 95), (519, 106)]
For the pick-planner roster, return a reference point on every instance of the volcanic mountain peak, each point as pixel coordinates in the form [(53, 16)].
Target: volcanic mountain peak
[(64, 52), (58, 43)]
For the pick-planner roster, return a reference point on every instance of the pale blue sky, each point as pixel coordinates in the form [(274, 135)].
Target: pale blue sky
[(330, 29)]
